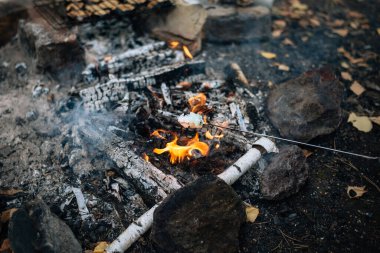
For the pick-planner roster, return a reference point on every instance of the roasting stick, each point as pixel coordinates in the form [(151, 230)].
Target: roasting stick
[(230, 175)]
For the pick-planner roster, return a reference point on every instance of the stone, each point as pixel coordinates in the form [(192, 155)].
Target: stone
[(307, 106), (227, 23), (204, 216), (57, 52), (34, 228), (285, 174)]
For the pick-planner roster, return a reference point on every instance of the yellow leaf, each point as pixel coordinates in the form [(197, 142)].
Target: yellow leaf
[(362, 123), (375, 120), (341, 32), (357, 88), (357, 190), (251, 212), (268, 55), (101, 247), (346, 76)]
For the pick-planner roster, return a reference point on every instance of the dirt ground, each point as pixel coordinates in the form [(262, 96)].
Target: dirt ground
[(319, 218)]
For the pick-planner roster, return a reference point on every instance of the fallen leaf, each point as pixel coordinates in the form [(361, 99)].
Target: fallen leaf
[(9, 192), (281, 24), (283, 67), (314, 22), (268, 55), (337, 23), (375, 120), (346, 76), (306, 153), (341, 32), (251, 212), (100, 247), (357, 190), (362, 123), (6, 246), (357, 88), (7, 214), (350, 57), (354, 25), (276, 33), (355, 14), (288, 42), (344, 65)]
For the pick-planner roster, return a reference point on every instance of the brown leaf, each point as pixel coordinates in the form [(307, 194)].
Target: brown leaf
[(6, 246), (314, 22), (306, 153), (375, 120), (355, 191), (357, 88), (337, 23), (341, 32), (7, 214), (346, 76), (288, 42), (354, 14), (362, 123), (9, 192), (268, 55), (251, 212), (100, 247)]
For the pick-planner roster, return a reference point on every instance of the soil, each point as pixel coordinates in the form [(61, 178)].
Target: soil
[(319, 218)]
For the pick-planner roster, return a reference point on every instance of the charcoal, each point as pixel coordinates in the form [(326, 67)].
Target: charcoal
[(307, 106), (236, 24), (58, 53), (98, 97)]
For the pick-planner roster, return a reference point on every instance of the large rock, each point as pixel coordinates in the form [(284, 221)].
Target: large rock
[(35, 228), (307, 106), (57, 52), (204, 216), (227, 23), (285, 174)]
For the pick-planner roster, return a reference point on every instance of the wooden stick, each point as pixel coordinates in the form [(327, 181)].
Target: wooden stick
[(230, 175)]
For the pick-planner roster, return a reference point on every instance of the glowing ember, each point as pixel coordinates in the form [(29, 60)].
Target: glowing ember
[(179, 153), (173, 44), (197, 102), (187, 53), (211, 137), (145, 157), (157, 133)]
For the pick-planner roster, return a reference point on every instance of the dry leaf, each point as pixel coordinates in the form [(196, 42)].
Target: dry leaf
[(362, 123), (375, 120), (314, 22), (6, 246), (341, 32), (7, 214), (101, 247), (306, 153), (283, 67), (344, 65), (251, 212), (355, 14), (268, 55), (357, 190), (346, 76), (349, 56), (276, 33), (279, 24), (10, 192), (288, 42), (357, 88), (337, 22)]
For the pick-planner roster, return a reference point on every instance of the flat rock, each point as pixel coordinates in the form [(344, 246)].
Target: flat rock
[(307, 106), (226, 23), (57, 52), (285, 174), (34, 228), (204, 216)]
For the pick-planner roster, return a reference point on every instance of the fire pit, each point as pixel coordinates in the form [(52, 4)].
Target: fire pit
[(120, 115)]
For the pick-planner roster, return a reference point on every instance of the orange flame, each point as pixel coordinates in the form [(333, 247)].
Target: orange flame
[(179, 153), (187, 53), (197, 102), (173, 44), (210, 136), (145, 157), (157, 133)]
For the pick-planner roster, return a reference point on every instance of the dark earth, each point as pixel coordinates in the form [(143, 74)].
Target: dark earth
[(319, 218)]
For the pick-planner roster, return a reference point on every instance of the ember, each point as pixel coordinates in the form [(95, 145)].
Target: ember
[(179, 153), (197, 102)]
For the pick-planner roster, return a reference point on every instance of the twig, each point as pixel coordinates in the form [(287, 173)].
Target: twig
[(230, 175)]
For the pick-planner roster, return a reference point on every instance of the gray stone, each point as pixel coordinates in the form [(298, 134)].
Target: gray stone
[(34, 228), (227, 23), (204, 216), (285, 174), (57, 52), (307, 106)]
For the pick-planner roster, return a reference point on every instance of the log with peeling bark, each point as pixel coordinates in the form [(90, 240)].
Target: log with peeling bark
[(230, 175), (97, 98)]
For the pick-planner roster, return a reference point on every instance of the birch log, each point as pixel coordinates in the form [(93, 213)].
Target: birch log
[(230, 175)]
